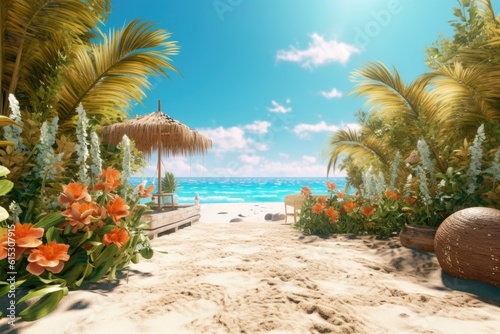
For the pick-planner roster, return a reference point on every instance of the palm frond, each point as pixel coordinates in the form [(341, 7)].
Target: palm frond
[(362, 149), (28, 25), (109, 76), (388, 97), (466, 97)]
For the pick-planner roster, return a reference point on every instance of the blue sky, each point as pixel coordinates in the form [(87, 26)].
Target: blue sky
[(267, 81)]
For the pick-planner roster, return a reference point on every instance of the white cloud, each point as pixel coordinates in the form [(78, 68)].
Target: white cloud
[(259, 146), (304, 130), (259, 127), (235, 138), (250, 159), (299, 168), (320, 52), (178, 165), (226, 139), (280, 108), (283, 155), (332, 94), (309, 159)]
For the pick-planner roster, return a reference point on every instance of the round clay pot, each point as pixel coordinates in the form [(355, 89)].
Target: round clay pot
[(467, 245), (420, 237)]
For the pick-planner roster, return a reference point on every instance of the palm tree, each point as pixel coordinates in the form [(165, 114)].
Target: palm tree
[(31, 39), (395, 117), (51, 64)]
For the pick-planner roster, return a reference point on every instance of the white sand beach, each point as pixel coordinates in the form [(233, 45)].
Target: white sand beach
[(257, 276)]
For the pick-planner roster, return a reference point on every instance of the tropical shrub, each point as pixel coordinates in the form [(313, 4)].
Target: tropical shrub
[(168, 183), (93, 234), (341, 213), (426, 197)]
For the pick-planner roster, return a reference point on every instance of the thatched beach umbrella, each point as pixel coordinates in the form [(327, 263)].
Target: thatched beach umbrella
[(158, 132)]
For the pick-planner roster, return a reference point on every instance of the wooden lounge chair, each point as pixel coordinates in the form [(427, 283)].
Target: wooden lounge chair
[(295, 201)]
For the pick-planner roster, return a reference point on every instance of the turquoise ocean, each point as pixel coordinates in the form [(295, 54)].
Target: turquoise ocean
[(243, 189)]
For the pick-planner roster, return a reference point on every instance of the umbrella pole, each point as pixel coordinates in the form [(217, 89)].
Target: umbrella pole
[(159, 165), (159, 177)]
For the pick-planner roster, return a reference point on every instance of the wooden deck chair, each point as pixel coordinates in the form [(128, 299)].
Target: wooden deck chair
[(295, 201)]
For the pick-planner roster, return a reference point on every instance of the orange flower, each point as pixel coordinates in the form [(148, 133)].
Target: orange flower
[(117, 209), (306, 191), (144, 193), (317, 208), (74, 192), (79, 215), (332, 214), (25, 236), (4, 240), (368, 211), (322, 200), (108, 180), (391, 194), (117, 236), (341, 194), (410, 200), (350, 205), (331, 186), (48, 257)]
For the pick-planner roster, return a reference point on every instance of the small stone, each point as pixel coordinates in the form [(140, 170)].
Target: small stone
[(278, 216), (268, 216), (236, 220)]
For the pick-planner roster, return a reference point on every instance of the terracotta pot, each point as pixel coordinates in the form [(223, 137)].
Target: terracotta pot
[(420, 237), (467, 245)]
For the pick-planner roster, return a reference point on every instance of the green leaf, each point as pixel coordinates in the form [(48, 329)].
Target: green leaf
[(42, 291), (44, 306), (5, 186), (3, 214), (108, 253), (49, 220), (101, 271), (4, 171)]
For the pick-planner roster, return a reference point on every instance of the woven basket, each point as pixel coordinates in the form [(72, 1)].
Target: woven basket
[(467, 245)]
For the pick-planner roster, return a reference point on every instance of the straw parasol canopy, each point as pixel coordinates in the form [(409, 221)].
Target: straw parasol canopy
[(158, 132)]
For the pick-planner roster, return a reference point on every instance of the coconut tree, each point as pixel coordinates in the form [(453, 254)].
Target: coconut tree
[(395, 117), (54, 57), (466, 73), (36, 35), (109, 76)]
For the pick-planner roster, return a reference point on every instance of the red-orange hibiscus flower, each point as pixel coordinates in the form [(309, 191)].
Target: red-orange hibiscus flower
[(117, 209), (117, 236), (317, 208), (79, 215), (368, 211), (25, 236), (391, 194), (144, 193), (108, 180), (74, 192), (305, 191), (332, 214), (331, 186), (48, 257), (410, 199), (350, 205), (4, 239)]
